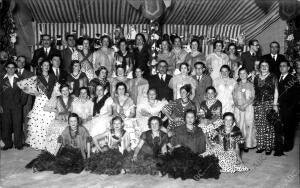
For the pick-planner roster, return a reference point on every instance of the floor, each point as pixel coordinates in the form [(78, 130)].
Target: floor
[(266, 171)]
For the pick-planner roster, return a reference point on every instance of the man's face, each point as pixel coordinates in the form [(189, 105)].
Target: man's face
[(274, 48), (10, 69), (56, 62), (21, 62), (199, 69), (284, 68), (255, 46), (177, 43), (162, 68), (46, 41), (71, 41)]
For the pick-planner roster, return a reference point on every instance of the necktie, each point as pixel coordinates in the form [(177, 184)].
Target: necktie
[(198, 78), (281, 78), (162, 78), (57, 74), (274, 57), (20, 72)]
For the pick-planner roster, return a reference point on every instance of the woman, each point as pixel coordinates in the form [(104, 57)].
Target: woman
[(232, 54), (124, 58), (175, 110), (61, 106), (102, 112), (224, 86), (138, 87), (210, 112), (101, 79), (77, 78), (83, 106), (124, 107), (105, 56), (149, 107), (141, 55), (42, 87), (85, 57), (167, 55), (266, 99), (121, 77), (114, 138), (229, 139), (195, 55), (243, 96), (181, 79), (215, 60)]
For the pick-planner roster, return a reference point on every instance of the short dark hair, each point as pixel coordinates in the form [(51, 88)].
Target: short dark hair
[(22, 56), (152, 89), (216, 42), (243, 69), (211, 88), (162, 61), (251, 42), (122, 40), (226, 67), (200, 63), (73, 62), (10, 63), (187, 88), (232, 44), (286, 62), (70, 35), (63, 86), (228, 114), (154, 118), (142, 35), (275, 42), (184, 63), (263, 61), (75, 116), (190, 111), (85, 88), (121, 84), (100, 69)]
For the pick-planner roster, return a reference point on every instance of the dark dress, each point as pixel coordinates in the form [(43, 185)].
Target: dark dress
[(96, 81), (263, 103), (141, 59), (127, 59), (81, 78)]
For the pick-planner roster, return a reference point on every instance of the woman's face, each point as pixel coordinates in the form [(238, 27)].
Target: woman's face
[(45, 66), (121, 90), (86, 44), (210, 94), (99, 90), (139, 40), (73, 122), (83, 94), (105, 42), (228, 121), (117, 124), (76, 67), (232, 50), (264, 67), (65, 92), (165, 46), (120, 72), (224, 73), (184, 70), (154, 125), (184, 94), (152, 95), (138, 73), (190, 118), (102, 74), (243, 75), (218, 47), (123, 46), (194, 46)]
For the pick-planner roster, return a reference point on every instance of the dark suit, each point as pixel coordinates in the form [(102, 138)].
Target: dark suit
[(162, 87), (62, 77), (41, 53), (248, 61), (11, 100), (66, 56), (201, 86), (274, 65), (288, 90)]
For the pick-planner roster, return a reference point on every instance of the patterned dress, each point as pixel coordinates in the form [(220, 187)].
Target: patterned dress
[(86, 62), (263, 103), (224, 87), (138, 89), (176, 110)]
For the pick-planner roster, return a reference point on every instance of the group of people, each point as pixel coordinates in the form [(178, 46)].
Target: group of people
[(220, 104)]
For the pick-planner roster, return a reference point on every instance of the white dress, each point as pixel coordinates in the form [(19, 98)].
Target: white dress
[(101, 122), (154, 110), (225, 87), (216, 63), (83, 110)]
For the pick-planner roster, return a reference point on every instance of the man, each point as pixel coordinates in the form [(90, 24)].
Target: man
[(288, 91), (46, 52), (66, 54), (11, 101), (250, 57), (180, 54), (203, 81), (274, 58), (60, 74), (22, 73), (161, 81)]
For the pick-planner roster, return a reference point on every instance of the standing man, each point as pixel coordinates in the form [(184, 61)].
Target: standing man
[(250, 57), (274, 58), (11, 101), (60, 74), (66, 54)]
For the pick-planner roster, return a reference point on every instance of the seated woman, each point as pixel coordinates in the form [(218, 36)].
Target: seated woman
[(228, 138), (61, 106), (210, 111), (83, 106), (189, 135), (147, 108), (121, 77), (101, 79), (124, 107), (175, 110), (76, 78), (102, 112), (115, 138)]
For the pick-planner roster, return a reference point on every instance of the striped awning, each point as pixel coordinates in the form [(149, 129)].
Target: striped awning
[(188, 12)]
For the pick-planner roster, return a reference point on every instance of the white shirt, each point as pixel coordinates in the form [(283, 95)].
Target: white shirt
[(72, 49), (162, 76), (54, 70), (274, 56), (20, 71), (11, 79), (47, 50), (282, 77), (198, 77)]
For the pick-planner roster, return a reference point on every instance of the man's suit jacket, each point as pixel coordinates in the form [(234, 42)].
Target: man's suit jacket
[(162, 87), (63, 75), (41, 53), (274, 65), (248, 61), (25, 74), (288, 91), (201, 86), (66, 56)]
